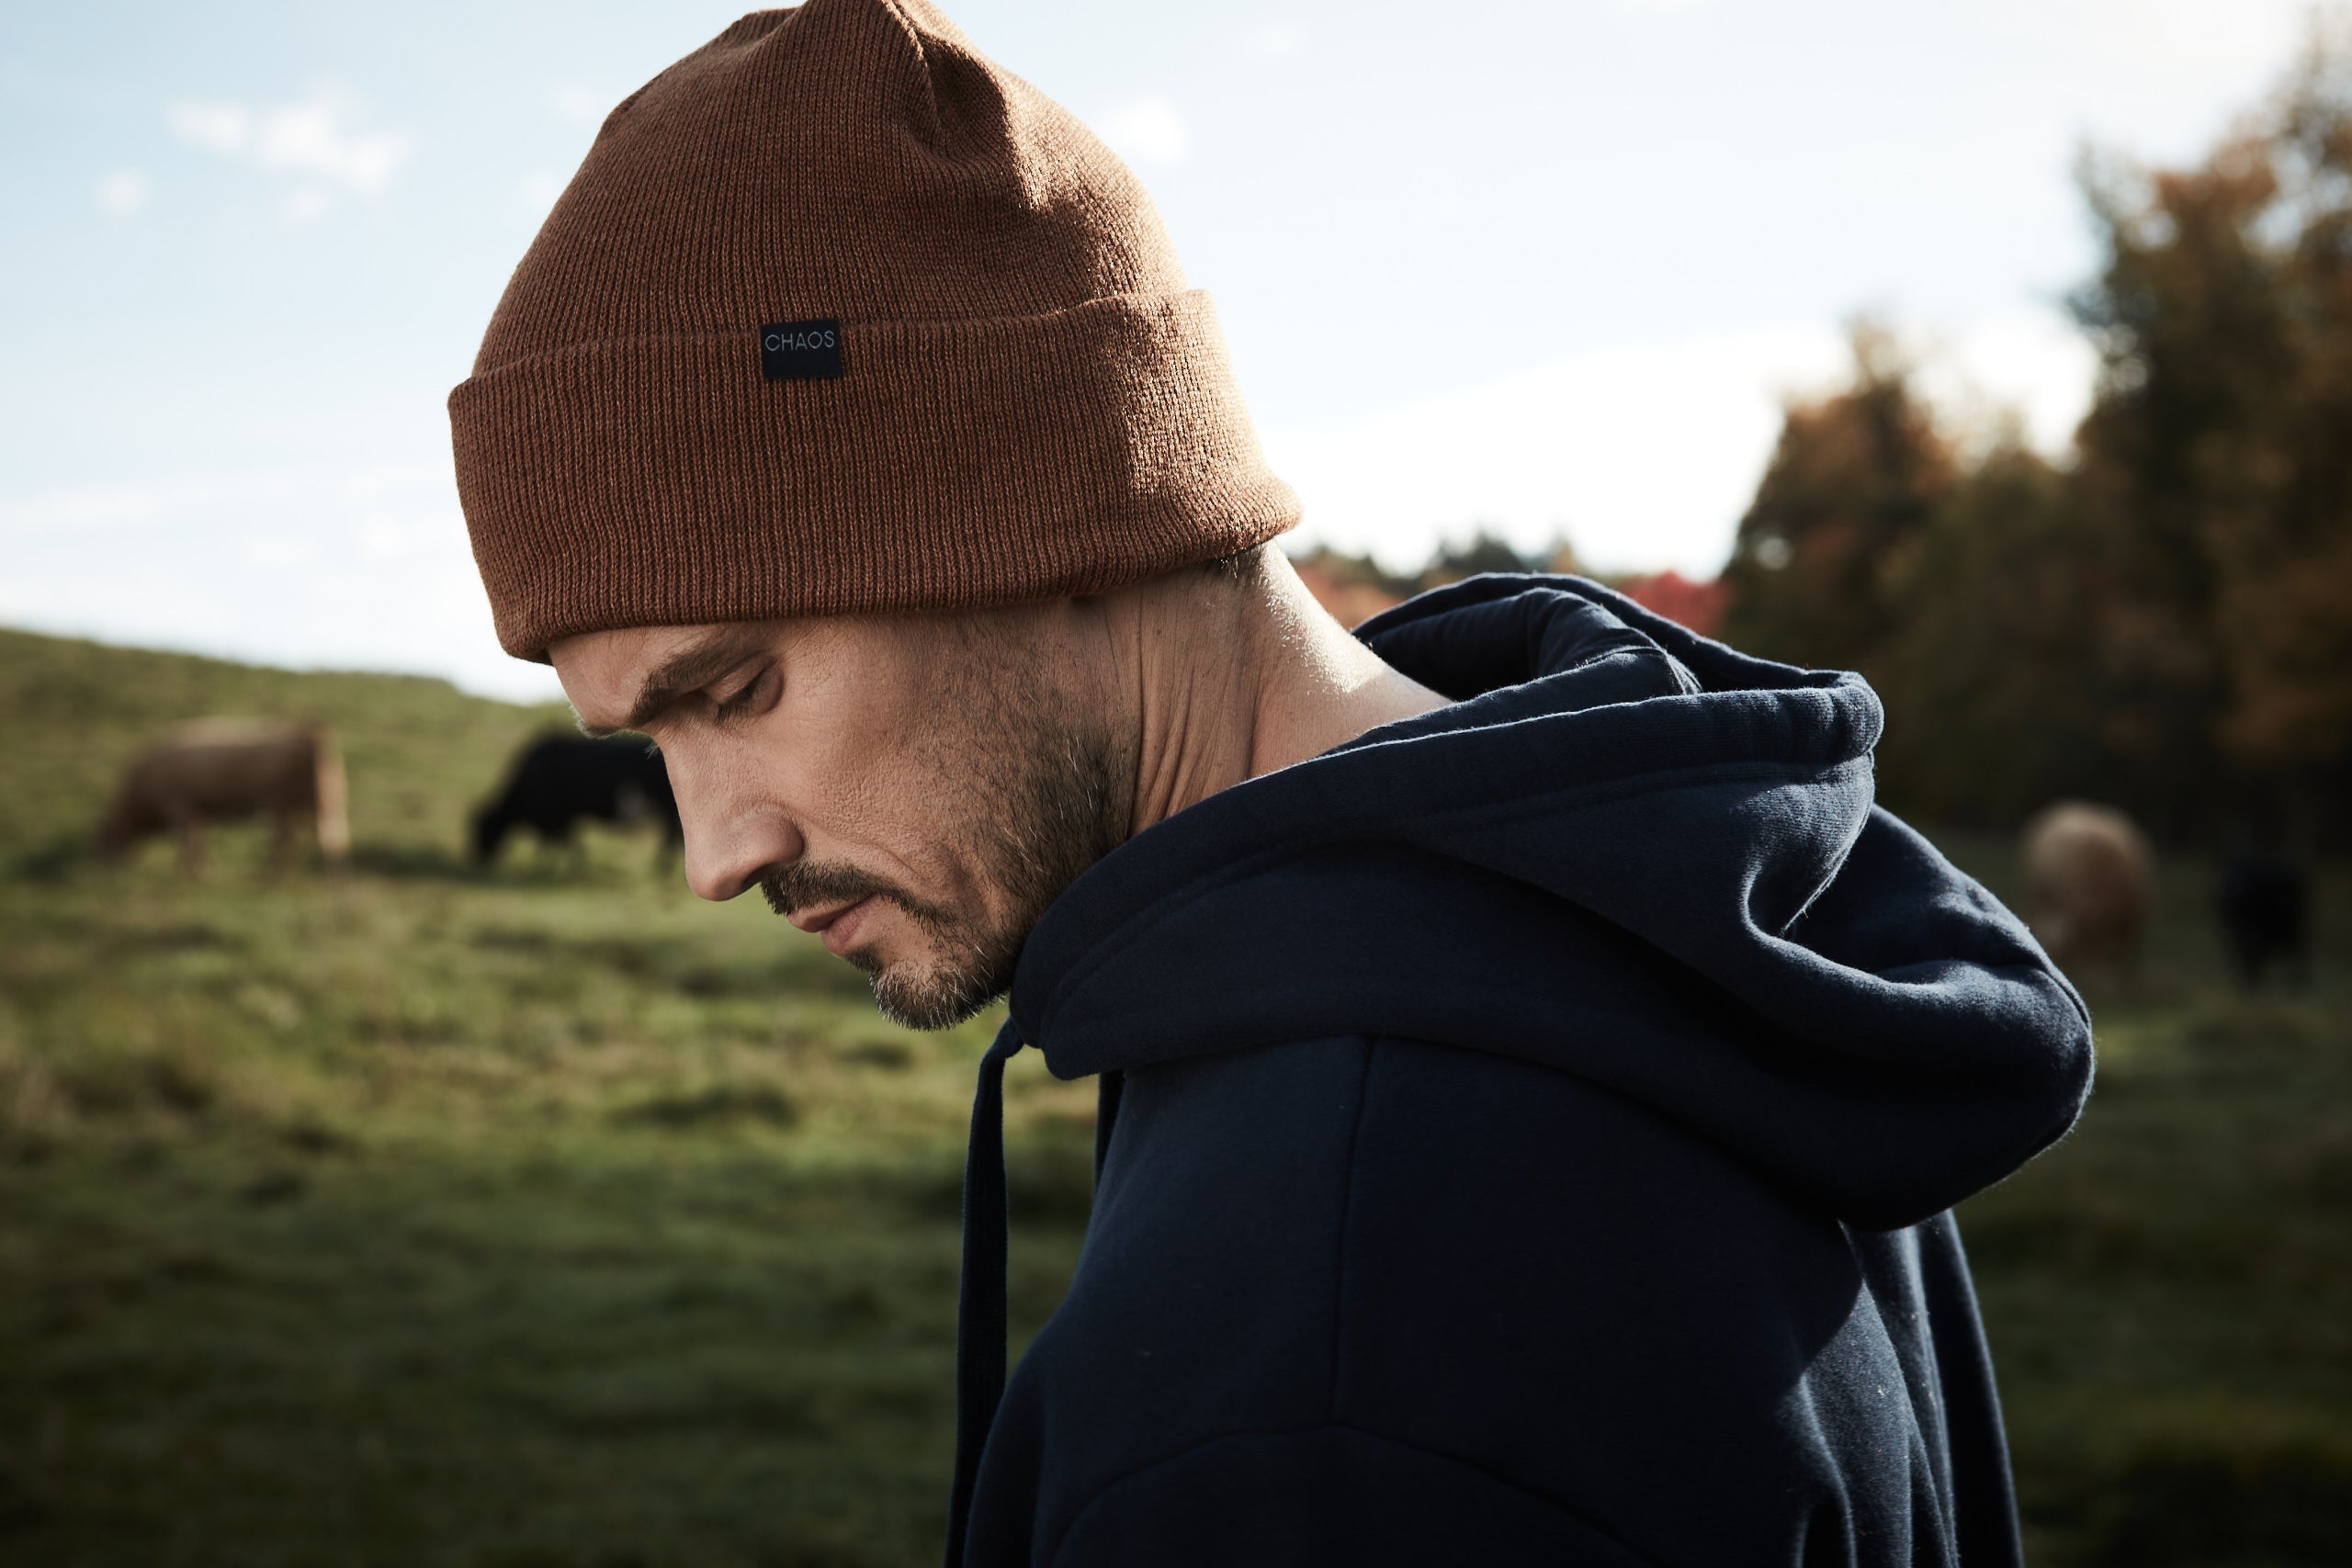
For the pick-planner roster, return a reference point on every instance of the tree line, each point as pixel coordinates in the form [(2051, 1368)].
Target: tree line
[(2163, 618)]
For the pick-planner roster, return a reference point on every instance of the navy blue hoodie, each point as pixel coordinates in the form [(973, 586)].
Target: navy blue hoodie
[(1527, 1133)]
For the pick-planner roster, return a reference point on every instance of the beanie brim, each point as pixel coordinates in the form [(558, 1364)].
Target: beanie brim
[(953, 465)]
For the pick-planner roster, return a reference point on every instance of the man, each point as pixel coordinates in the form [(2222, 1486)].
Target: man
[(1533, 1073)]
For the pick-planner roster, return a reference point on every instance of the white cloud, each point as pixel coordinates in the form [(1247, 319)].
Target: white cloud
[(188, 499), (1644, 455), (280, 549), (388, 536), (364, 568), (2035, 369), (122, 193), (1148, 130), (317, 136), (216, 128), (306, 204), (1274, 40)]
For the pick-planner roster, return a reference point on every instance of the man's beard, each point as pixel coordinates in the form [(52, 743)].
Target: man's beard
[(1040, 798)]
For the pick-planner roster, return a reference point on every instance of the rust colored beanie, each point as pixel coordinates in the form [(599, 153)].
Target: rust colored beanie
[(838, 317)]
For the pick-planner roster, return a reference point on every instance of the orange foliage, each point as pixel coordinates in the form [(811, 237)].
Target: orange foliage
[(1349, 600), (1698, 605)]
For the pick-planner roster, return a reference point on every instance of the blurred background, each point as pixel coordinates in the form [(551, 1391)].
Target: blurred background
[(412, 1171)]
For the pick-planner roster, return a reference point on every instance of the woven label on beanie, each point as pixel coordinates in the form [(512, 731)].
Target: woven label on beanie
[(790, 350)]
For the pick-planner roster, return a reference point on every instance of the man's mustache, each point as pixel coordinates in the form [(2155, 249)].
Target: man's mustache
[(788, 888)]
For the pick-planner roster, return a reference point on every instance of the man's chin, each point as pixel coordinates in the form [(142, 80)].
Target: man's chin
[(927, 1005), (920, 996)]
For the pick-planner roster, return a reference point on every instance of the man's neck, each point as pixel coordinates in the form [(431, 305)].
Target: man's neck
[(1227, 681)]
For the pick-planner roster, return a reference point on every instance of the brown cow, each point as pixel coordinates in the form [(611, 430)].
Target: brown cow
[(222, 770), (2089, 882)]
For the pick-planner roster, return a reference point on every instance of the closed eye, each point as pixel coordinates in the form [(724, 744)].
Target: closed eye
[(746, 698)]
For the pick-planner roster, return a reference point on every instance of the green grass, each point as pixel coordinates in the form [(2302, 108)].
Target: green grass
[(413, 1217), (2169, 1292), (552, 1217)]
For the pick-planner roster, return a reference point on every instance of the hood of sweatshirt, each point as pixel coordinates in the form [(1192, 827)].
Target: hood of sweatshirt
[(1623, 852)]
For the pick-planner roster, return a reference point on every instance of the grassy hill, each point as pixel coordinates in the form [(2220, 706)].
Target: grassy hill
[(553, 1217), (419, 751), (541, 1217)]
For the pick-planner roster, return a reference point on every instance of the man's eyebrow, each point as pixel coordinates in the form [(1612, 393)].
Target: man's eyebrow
[(698, 664)]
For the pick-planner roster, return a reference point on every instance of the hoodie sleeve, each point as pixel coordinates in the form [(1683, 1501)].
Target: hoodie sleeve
[(1959, 1049), (1330, 1495)]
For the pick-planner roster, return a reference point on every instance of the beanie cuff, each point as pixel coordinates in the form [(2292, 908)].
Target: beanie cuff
[(952, 464)]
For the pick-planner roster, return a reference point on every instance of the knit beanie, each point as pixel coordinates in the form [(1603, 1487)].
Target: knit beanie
[(838, 317)]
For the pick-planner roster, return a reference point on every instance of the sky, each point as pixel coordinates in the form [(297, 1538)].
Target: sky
[(1547, 267)]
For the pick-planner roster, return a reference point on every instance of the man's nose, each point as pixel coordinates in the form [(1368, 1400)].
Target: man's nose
[(730, 845)]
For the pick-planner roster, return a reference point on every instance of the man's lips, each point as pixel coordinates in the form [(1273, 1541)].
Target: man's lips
[(839, 923), (816, 919)]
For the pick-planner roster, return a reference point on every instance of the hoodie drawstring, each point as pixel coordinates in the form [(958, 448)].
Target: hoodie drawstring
[(980, 1306)]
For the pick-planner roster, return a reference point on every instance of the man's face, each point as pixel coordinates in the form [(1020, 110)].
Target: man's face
[(916, 788)]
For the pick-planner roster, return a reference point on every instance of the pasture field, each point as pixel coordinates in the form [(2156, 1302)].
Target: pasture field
[(549, 1217)]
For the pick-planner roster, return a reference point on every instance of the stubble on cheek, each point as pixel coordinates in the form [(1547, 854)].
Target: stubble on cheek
[(1023, 798)]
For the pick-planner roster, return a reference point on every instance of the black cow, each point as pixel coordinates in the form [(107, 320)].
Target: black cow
[(2265, 904), (559, 779)]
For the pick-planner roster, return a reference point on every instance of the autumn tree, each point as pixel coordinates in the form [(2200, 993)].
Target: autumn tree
[(1993, 700), (2215, 473), (2164, 620), (1817, 575)]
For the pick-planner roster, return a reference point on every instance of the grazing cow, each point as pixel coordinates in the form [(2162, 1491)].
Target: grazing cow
[(225, 770), (2265, 903), (2090, 880), (559, 779)]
